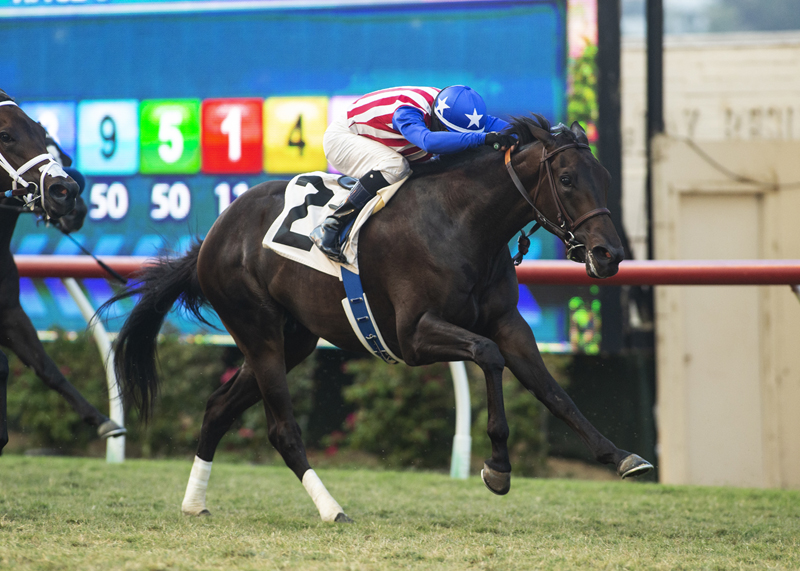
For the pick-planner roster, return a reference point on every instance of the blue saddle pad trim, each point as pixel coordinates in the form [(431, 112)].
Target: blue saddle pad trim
[(358, 305), (345, 233)]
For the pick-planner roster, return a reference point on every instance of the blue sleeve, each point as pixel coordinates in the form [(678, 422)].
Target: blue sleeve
[(495, 124), (411, 124)]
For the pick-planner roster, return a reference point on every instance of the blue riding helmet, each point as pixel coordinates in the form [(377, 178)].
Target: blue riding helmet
[(461, 109)]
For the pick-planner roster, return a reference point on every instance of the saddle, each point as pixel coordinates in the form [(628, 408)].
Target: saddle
[(309, 199)]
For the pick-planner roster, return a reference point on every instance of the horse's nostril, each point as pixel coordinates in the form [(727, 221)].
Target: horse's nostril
[(59, 191), (600, 252), (606, 255)]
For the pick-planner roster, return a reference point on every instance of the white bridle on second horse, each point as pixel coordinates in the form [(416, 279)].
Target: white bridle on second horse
[(50, 167)]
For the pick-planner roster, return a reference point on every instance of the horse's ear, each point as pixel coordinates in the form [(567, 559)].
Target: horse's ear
[(579, 133), (541, 134)]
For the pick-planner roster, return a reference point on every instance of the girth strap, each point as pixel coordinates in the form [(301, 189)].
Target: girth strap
[(360, 316)]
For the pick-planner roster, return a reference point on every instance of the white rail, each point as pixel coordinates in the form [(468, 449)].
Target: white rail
[(115, 447)]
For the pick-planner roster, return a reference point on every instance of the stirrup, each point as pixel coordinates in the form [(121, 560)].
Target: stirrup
[(334, 252)]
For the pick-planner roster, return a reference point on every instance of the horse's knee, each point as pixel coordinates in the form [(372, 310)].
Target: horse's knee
[(488, 356)]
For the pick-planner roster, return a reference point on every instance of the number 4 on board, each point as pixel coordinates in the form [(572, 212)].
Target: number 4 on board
[(293, 130), (296, 136)]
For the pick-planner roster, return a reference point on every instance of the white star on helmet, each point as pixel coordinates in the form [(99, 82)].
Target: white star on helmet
[(474, 119), (441, 105)]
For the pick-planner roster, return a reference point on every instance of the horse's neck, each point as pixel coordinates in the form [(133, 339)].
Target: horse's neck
[(490, 207), (8, 221)]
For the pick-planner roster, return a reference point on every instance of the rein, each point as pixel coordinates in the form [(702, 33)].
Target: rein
[(566, 226), (16, 175)]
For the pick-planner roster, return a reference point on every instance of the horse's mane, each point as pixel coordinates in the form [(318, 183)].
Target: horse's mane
[(5, 96), (519, 126)]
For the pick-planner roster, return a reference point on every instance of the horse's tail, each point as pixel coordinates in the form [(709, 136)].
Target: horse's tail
[(160, 285)]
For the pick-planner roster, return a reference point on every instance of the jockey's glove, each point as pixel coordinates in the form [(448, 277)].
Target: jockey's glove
[(500, 141)]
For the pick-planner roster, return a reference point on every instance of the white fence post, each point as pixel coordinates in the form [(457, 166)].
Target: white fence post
[(462, 441), (115, 447)]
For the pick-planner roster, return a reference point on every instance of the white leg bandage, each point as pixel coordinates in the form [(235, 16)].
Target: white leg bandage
[(327, 506), (194, 502)]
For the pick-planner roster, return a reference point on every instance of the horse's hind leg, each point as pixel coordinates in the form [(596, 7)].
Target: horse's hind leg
[(241, 392), (3, 401), (18, 334), (228, 403), (224, 406), (284, 432)]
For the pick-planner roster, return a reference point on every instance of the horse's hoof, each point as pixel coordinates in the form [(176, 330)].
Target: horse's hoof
[(632, 466), (197, 514), (110, 429), (498, 482), (342, 518)]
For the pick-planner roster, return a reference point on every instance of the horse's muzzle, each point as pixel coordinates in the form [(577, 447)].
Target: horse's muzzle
[(602, 261), (59, 197)]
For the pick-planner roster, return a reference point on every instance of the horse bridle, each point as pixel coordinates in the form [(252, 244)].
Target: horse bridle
[(50, 167), (566, 226)]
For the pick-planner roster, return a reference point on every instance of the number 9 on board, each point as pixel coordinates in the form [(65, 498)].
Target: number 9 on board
[(108, 137)]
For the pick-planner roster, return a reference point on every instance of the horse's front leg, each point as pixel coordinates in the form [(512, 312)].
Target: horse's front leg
[(18, 334), (3, 401), (435, 340), (518, 346)]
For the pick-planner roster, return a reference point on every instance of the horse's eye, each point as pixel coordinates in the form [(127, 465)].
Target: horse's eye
[(566, 181), (5, 137)]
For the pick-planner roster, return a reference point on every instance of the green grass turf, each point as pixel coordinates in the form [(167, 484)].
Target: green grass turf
[(77, 513)]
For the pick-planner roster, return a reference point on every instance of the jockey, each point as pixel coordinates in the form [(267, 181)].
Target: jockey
[(386, 130)]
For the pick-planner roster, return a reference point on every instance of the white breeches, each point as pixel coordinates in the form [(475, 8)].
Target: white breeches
[(355, 155)]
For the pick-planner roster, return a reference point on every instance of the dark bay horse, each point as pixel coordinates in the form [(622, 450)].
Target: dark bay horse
[(37, 184), (437, 270)]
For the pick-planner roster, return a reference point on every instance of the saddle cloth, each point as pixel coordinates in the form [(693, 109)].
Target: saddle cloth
[(309, 199)]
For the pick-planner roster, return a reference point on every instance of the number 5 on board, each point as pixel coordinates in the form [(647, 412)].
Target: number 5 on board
[(293, 130)]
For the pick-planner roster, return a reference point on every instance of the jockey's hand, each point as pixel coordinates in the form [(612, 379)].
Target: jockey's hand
[(500, 141)]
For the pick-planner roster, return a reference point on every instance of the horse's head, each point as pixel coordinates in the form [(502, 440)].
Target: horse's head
[(27, 170), (571, 194)]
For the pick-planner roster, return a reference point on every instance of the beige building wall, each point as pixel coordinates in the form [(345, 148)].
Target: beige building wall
[(731, 87), (728, 358)]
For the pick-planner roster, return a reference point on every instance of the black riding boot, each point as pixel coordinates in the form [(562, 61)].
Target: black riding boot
[(326, 236)]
